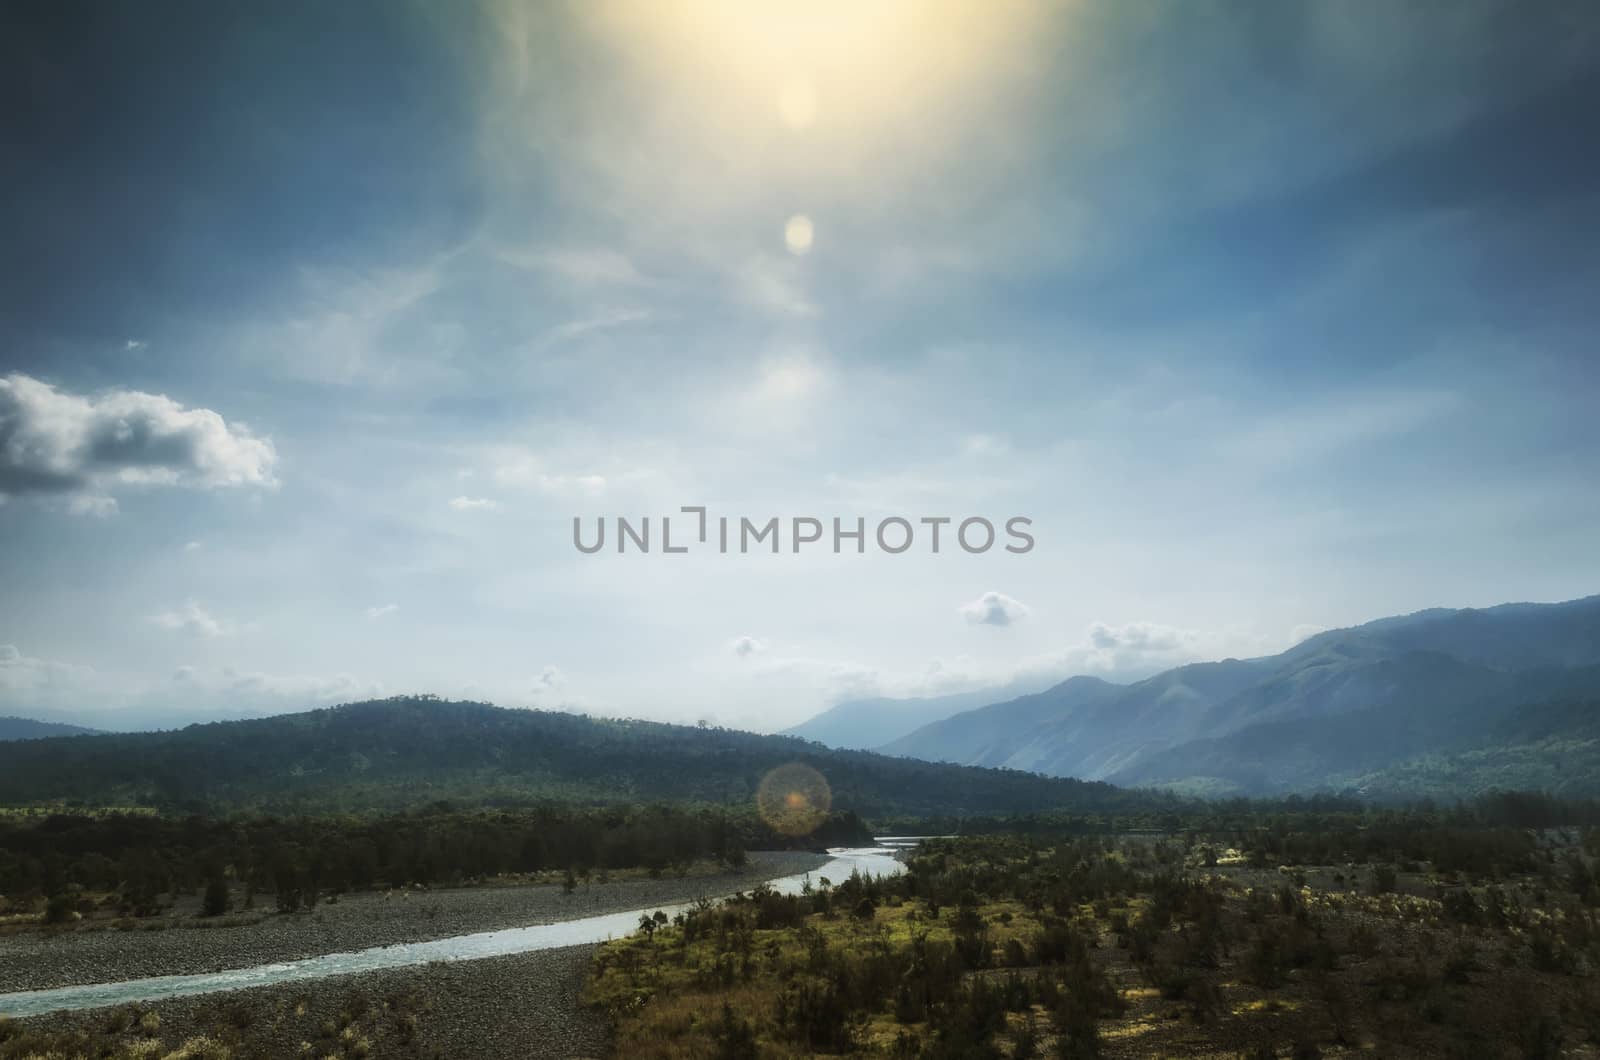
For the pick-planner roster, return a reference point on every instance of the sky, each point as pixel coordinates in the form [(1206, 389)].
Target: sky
[(320, 324)]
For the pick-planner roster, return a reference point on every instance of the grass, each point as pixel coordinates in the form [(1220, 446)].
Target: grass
[(667, 993)]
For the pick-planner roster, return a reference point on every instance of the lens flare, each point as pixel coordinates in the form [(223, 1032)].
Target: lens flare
[(794, 799), (798, 234), (797, 103)]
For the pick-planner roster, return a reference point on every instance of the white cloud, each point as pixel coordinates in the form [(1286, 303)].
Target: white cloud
[(985, 445), (474, 504), (134, 344), (1305, 631), (994, 609), (744, 647), (31, 682), (81, 448), (124, 701), (550, 679), (581, 266), (246, 693), (97, 505), (521, 469), (194, 619), (835, 679), (606, 320), (191, 546), (1139, 649), (347, 328), (1142, 637), (773, 286), (381, 611)]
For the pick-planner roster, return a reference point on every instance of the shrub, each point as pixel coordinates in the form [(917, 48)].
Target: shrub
[(216, 898), (59, 909)]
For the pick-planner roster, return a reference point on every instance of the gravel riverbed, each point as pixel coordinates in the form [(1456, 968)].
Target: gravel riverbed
[(36, 960), (498, 1008)]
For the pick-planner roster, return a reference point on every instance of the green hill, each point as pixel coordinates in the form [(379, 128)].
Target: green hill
[(407, 752), (12, 728)]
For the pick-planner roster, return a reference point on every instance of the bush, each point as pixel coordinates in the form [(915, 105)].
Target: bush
[(60, 909), (735, 1037), (216, 898)]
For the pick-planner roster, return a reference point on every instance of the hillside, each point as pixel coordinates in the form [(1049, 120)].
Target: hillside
[(416, 751), (12, 728), (1003, 734), (1421, 704), (864, 724)]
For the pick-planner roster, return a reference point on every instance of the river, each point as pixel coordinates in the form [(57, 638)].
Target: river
[(876, 861)]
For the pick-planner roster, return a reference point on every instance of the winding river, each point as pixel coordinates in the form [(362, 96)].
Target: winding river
[(876, 861)]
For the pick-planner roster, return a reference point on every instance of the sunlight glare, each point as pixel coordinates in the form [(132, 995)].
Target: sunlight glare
[(798, 234)]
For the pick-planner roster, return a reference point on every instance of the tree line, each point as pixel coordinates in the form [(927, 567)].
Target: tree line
[(140, 857)]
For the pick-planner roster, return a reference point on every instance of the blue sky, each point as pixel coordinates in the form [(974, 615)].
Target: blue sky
[(318, 325)]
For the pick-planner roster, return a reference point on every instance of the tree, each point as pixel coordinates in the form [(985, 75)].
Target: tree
[(215, 902)]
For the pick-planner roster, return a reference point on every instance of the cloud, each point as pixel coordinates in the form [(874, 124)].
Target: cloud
[(56, 443), (125, 701), (192, 690), (522, 469), (550, 680), (474, 504), (191, 546), (29, 681), (368, 326), (191, 618), (379, 612), (985, 445), (134, 344), (836, 679), (994, 609), (583, 266), (772, 286), (1139, 649), (744, 647), (1304, 631), (1141, 637), (605, 320), (95, 504)]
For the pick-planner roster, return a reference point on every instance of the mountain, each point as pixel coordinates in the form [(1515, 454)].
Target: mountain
[(862, 724), (1083, 727), (28, 729), (1000, 734), (409, 752), (1553, 746), (1377, 707)]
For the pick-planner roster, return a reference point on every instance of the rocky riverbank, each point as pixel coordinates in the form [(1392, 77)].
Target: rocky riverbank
[(499, 1008), (39, 960)]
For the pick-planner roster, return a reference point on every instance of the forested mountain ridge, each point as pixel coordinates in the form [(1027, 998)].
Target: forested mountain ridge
[(13, 728), (1339, 711), (413, 751)]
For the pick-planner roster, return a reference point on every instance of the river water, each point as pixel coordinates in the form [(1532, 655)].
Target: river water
[(875, 861)]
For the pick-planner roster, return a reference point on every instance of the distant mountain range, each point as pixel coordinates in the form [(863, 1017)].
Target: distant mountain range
[(28, 729), (1437, 703), (862, 724)]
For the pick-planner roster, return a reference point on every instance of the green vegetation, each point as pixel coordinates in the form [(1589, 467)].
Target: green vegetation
[(1008, 946), (410, 752), (124, 1036), (343, 1025), (131, 861)]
